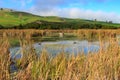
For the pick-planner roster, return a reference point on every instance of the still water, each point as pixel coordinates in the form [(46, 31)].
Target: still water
[(53, 48), (67, 46)]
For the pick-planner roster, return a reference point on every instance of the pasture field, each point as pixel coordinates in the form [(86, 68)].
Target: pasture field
[(101, 65)]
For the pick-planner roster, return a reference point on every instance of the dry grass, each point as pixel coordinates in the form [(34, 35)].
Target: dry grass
[(103, 65)]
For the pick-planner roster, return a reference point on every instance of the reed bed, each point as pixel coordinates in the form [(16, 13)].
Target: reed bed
[(102, 65)]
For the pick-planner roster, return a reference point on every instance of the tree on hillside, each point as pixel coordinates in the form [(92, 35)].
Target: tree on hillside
[(110, 22), (11, 10), (95, 19), (1, 9)]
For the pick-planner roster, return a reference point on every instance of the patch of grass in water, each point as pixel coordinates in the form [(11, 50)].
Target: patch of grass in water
[(14, 42)]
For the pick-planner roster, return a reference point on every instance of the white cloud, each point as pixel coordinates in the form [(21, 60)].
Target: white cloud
[(53, 8), (77, 13), (23, 3)]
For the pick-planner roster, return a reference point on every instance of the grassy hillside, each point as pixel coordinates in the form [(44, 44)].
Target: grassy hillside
[(92, 22), (15, 18)]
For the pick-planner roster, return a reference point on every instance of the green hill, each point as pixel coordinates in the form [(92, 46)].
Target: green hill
[(10, 18)]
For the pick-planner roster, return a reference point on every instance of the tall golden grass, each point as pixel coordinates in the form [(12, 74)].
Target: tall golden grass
[(102, 65)]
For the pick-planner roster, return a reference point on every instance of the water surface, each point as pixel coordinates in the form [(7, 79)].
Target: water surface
[(67, 46)]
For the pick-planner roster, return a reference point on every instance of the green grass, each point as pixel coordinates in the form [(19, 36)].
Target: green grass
[(14, 42), (17, 18)]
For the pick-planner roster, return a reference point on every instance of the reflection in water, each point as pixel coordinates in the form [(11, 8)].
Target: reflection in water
[(61, 46), (68, 47)]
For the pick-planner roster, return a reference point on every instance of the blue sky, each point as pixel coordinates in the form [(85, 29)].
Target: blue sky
[(87, 9)]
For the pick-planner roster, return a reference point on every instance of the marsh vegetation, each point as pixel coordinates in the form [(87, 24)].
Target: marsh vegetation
[(104, 64)]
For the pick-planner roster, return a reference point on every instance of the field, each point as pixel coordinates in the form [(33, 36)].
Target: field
[(101, 65)]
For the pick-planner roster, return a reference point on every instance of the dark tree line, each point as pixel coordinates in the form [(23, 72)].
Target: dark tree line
[(61, 25), (1, 27)]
